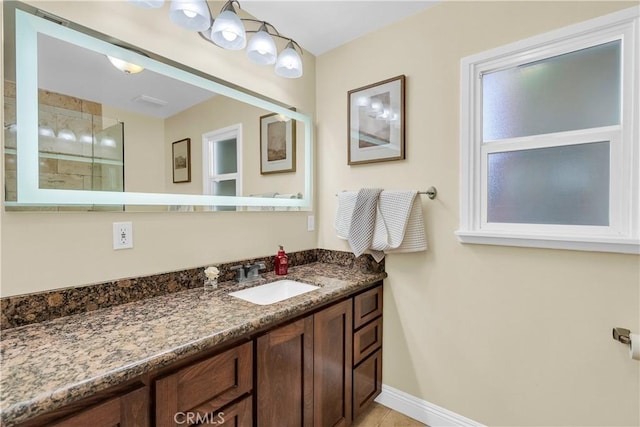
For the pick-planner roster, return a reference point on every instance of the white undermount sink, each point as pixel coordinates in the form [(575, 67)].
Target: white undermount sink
[(274, 292)]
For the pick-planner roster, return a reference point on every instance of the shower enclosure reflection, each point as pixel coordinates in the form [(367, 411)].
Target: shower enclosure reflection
[(78, 147)]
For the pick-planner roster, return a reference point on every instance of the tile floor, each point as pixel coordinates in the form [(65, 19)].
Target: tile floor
[(381, 416)]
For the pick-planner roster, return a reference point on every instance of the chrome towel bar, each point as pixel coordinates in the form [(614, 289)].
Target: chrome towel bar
[(431, 192)]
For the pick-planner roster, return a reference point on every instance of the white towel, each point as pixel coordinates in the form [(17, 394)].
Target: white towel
[(399, 225)]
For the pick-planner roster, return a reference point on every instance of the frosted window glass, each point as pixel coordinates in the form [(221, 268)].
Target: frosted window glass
[(559, 185), (225, 188), (225, 157), (577, 90)]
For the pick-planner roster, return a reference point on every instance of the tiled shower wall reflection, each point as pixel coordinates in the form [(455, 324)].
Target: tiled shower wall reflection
[(78, 148)]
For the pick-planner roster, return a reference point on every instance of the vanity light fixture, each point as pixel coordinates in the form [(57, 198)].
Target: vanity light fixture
[(46, 131), (190, 14), (87, 139), (262, 49), (124, 66), (67, 135), (148, 4), (228, 31), (289, 63)]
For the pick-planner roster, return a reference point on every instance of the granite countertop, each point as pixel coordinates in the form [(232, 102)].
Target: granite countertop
[(47, 365)]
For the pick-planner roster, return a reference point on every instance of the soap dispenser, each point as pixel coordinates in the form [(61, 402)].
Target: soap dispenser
[(281, 264)]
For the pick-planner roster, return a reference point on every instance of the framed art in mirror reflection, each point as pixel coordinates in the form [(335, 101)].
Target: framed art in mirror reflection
[(181, 160)]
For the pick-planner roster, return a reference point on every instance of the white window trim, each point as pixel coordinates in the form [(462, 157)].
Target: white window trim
[(623, 234), (208, 141)]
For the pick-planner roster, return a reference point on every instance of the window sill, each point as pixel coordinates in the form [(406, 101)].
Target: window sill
[(594, 244)]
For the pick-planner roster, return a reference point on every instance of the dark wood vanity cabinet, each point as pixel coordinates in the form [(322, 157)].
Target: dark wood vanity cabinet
[(321, 370), (304, 371)]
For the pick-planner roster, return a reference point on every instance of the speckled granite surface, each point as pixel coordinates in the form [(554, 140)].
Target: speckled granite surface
[(26, 309), (50, 364)]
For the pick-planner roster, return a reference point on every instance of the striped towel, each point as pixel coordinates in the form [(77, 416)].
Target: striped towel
[(399, 223), (363, 220)]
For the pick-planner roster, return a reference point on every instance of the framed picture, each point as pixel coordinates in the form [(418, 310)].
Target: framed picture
[(181, 156), (277, 144), (376, 122)]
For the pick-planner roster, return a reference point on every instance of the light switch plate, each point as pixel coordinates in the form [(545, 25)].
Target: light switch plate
[(311, 223), (122, 235)]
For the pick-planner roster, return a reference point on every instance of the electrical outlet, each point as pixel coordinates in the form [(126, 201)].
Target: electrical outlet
[(122, 235), (311, 223)]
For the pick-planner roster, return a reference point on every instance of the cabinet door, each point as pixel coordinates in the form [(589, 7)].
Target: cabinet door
[(129, 410), (332, 350), (285, 376)]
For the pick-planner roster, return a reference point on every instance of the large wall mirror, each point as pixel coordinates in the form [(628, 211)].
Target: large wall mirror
[(81, 134)]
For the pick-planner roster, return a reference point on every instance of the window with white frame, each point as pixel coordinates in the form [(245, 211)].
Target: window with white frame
[(222, 163), (549, 140)]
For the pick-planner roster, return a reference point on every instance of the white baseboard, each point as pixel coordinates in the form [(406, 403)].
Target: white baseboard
[(421, 410)]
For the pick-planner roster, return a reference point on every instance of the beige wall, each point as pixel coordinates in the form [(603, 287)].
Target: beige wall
[(43, 251), (144, 156), (504, 336)]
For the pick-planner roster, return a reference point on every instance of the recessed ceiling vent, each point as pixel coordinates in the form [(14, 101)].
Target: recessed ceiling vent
[(150, 100)]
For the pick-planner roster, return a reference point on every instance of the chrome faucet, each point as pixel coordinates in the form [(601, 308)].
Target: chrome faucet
[(249, 272), (252, 270)]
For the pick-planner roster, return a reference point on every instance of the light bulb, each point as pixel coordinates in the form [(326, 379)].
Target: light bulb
[(67, 135), (261, 48), (289, 63), (46, 131), (229, 36), (228, 31), (108, 142), (190, 14), (87, 139)]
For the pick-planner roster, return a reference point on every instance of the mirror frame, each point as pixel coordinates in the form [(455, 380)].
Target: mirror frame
[(28, 25)]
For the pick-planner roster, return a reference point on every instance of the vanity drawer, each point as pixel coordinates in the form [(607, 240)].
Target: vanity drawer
[(239, 414), (367, 306), (367, 340), (127, 410), (205, 386)]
